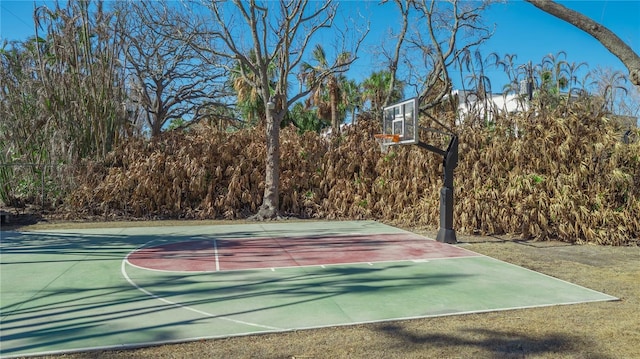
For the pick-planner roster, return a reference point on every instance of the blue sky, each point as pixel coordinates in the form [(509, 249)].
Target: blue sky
[(531, 34), (520, 29)]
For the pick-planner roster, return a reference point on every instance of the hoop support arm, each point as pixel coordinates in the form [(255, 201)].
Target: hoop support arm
[(432, 148)]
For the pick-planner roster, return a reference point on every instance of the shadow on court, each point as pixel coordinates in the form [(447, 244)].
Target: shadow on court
[(75, 290), (54, 312)]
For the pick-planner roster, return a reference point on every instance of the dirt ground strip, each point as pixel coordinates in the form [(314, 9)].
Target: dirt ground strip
[(593, 330)]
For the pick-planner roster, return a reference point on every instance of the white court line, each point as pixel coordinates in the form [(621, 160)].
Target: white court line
[(123, 270), (215, 253), (273, 269)]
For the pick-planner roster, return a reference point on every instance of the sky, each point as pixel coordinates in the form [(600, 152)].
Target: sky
[(524, 30), (530, 33), (520, 29)]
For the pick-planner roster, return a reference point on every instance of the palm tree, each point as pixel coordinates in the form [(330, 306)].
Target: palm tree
[(507, 64), (326, 91), (304, 119), (610, 87), (572, 75), (249, 102), (554, 75), (375, 88), (351, 98)]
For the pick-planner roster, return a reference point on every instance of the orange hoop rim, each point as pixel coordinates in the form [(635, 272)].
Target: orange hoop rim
[(387, 136)]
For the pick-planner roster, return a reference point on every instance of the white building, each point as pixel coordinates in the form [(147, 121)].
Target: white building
[(469, 103)]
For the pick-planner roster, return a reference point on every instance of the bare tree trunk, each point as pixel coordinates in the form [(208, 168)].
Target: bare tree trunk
[(156, 130), (605, 36), (270, 199)]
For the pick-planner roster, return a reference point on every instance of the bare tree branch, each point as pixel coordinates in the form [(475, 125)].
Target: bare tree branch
[(171, 80), (446, 22), (605, 36), (404, 6)]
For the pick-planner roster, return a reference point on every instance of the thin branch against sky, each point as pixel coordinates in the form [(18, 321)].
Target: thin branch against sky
[(520, 29)]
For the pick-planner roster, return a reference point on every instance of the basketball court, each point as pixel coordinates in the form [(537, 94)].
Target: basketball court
[(76, 290)]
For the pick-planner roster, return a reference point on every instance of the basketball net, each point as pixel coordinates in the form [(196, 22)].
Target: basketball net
[(386, 140)]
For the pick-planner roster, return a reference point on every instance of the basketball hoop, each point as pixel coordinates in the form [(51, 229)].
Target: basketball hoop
[(385, 140)]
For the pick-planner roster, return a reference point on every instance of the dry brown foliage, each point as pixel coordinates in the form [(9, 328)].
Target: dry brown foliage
[(566, 175)]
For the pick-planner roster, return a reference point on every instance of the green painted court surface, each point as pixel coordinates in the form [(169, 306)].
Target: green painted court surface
[(73, 290)]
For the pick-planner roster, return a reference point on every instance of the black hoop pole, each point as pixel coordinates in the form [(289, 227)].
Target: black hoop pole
[(446, 233)]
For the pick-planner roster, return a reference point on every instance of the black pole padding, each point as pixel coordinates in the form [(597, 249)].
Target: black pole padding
[(446, 233)]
